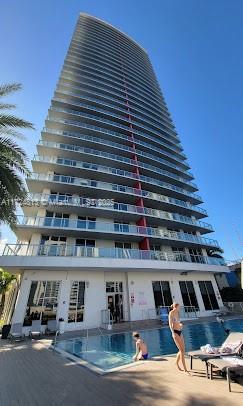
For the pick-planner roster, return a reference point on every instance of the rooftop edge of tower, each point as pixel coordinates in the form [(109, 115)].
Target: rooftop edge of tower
[(114, 28)]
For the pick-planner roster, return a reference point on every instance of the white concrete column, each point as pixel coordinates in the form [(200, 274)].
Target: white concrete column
[(175, 291), (22, 300), (63, 300), (217, 292), (199, 297)]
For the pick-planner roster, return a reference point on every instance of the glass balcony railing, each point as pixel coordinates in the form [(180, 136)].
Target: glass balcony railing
[(134, 99), (63, 250), (148, 119), (105, 69), (110, 106), (119, 158), (116, 228), (53, 199), (146, 80), (116, 124), (116, 134), (116, 75), (103, 141), (146, 110), (113, 171), (92, 72), (116, 188)]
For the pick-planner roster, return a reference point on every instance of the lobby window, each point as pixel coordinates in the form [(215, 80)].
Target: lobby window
[(188, 294), (76, 302), (42, 302), (162, 293), (208, 295)]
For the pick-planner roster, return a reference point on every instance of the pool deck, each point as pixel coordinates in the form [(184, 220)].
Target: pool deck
[(32, 375)]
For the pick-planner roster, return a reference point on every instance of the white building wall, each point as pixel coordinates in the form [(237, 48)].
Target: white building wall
[(138, 298)]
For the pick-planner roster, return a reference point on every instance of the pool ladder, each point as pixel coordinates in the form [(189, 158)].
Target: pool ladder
[(55, 340), (87, 337)]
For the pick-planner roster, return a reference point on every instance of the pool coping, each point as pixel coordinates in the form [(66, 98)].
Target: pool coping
[(83, 363)]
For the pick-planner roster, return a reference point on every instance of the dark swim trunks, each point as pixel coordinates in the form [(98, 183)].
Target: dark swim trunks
[(178, 332), (145, 356)]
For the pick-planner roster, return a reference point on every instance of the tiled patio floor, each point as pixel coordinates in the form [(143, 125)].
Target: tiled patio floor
[(32, 375)]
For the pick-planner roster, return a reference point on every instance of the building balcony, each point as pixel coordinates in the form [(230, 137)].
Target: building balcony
[(103, 143), (26, 226), (118, 103), (65, 250), (71, 150), (109, 111), (108, 208), (115, 77), (146, 110), (72, 167), (104, 190), (102, 71), (19, 257), (65, 113), (58, 124)]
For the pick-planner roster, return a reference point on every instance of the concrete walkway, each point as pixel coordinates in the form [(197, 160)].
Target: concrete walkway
[(32, 375)]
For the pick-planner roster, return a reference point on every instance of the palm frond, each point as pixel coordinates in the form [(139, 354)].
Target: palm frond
[(7, 120), (8, 88), (10, 131), (6, 106)]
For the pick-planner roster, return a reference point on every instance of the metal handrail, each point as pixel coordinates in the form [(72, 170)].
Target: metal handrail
[(64, 250), (55, 340), (115, 188)]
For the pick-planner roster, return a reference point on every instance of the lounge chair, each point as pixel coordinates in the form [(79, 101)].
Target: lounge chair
[(228, 365), (51, 327), (16, 333), (35, 329), (199, 354)]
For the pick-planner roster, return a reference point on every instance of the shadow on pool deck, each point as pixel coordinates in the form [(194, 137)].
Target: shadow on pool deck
[(32, 375)]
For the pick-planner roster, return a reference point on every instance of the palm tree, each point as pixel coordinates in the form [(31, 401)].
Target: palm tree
[(12, 158), (6, 280)]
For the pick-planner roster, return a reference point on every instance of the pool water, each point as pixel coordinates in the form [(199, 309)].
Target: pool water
[(114, 350)]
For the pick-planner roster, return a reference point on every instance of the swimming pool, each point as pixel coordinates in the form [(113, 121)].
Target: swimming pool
[(115, 350)]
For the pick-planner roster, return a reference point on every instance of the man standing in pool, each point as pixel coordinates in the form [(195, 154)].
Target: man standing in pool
[(176, 330), (141, 348)]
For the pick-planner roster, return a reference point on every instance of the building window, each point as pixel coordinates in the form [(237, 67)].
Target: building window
[(123, 245), (162, 293), (76, 302), (85, 243), (42, 302), (86, 222), (121, 226), (155, 248), (196, 255), (188, 294), (56, 219), (208, 295), (179, 254)]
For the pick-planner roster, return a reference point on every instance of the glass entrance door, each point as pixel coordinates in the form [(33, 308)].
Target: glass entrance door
[(114, 295)]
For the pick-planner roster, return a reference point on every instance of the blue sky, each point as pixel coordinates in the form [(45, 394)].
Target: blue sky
[(196, 50)]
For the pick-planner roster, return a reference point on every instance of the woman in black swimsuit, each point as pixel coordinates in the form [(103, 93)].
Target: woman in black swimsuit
[(176, 330)]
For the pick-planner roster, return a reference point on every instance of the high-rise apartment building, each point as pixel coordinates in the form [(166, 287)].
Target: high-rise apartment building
[(115, 220)]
